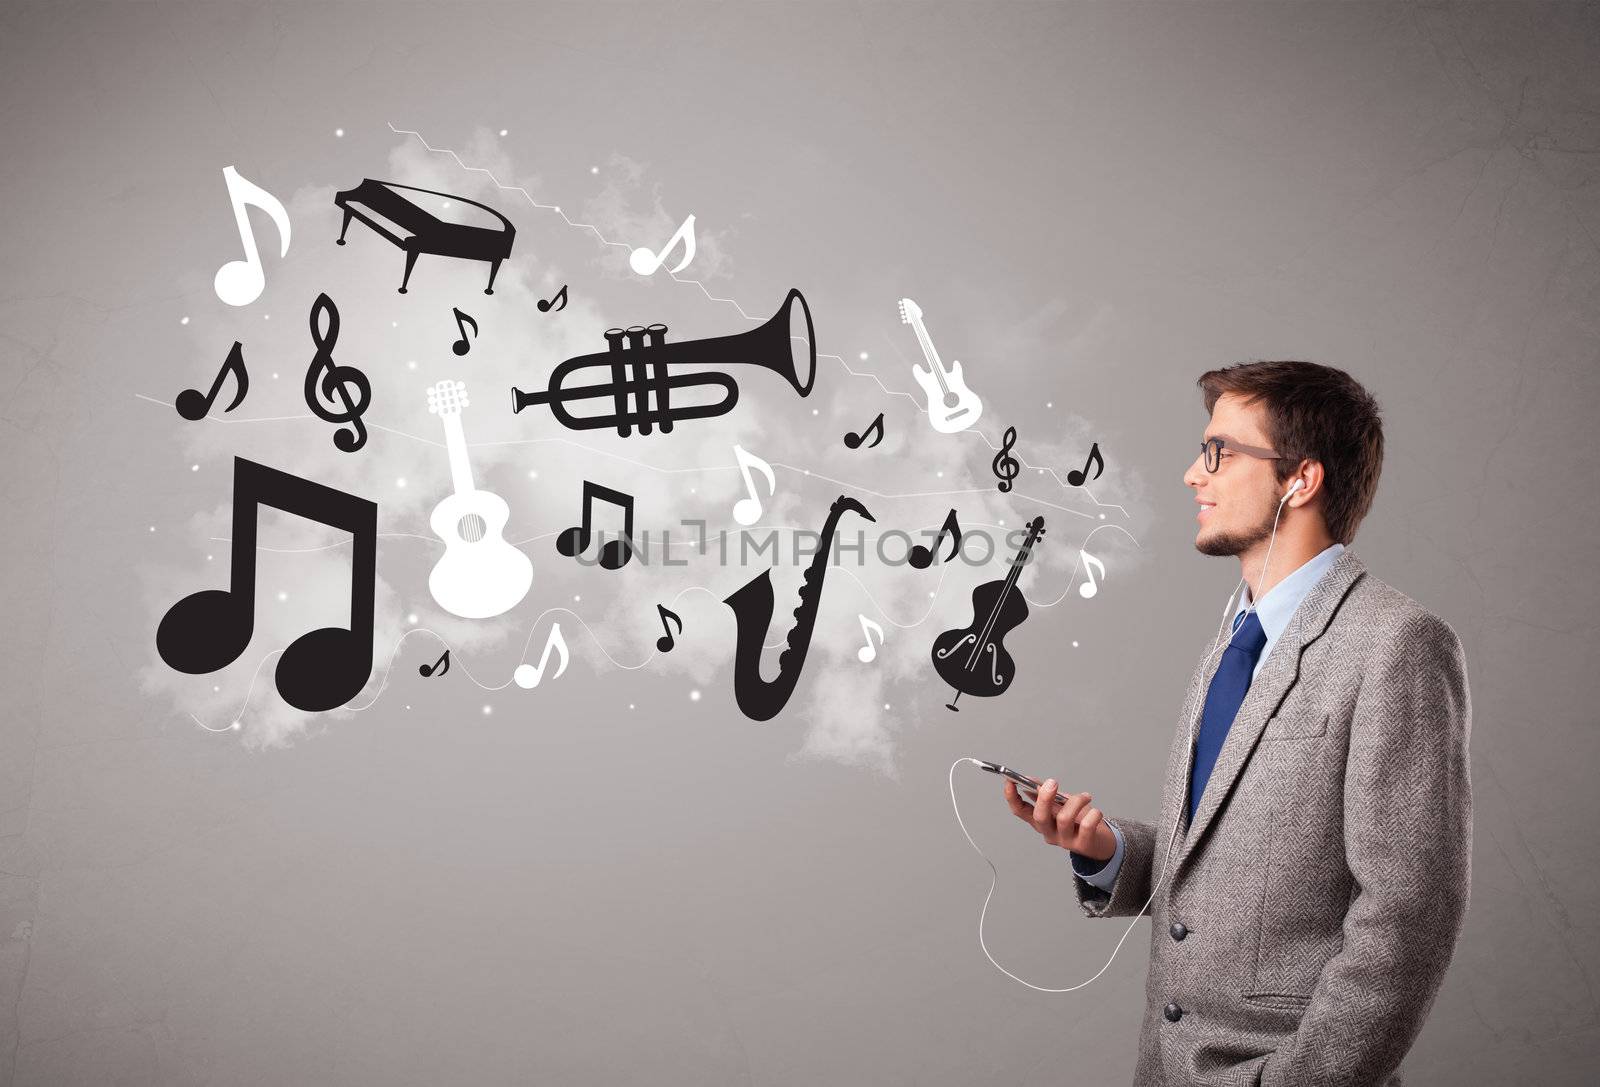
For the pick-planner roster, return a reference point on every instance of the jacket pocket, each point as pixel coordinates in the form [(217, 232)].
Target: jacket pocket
[(1295, 728), (1291, 1001)]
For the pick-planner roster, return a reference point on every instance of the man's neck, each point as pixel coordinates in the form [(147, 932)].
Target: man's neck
[(1291, 551)]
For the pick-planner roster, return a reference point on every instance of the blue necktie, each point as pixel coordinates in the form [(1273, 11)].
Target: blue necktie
[(1227, 691)]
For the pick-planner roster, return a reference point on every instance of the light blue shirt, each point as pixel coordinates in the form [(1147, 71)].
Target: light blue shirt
[(1275, 610), (1283, 600)]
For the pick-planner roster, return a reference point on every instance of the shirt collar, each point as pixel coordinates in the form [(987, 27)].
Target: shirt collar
[(1278, 606)]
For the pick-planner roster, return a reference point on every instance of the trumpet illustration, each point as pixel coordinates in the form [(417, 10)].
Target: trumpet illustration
[(643, 394)]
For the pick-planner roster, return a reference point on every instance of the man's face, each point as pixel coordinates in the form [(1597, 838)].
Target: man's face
[(1236, 503)]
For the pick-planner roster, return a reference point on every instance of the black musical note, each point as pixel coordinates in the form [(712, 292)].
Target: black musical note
[(439, 667), (209, 630), (922, 557), (1005, 465), (192, 406), (613, 554), (334, 381), (559, 301), (461, 346), (1076, 477), (854, 440), (665, 643)]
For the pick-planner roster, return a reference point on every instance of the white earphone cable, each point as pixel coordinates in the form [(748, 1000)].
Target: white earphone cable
[(1166, 862)]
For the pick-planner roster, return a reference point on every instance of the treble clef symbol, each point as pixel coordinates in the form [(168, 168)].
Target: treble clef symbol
[(1005, 465), (334, 382)]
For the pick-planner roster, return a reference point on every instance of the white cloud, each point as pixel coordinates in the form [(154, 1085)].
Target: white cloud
[(909, 482)]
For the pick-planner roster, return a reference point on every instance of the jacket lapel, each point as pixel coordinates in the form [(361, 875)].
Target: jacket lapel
[(1266, 694), (1180, 761)]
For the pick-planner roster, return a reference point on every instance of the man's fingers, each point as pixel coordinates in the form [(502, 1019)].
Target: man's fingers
[(1067, 818), (1089, 827), (1014, 801), (1043, 808)]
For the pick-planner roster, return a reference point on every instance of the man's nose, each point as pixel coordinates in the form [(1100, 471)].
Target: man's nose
[(1195, 475)]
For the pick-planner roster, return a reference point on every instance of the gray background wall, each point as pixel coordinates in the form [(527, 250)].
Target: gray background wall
[(1093, 203)]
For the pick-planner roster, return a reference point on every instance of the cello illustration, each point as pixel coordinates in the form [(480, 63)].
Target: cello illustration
[(972, 659)]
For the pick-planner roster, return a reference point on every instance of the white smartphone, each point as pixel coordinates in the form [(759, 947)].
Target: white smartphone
[(1028, 786)]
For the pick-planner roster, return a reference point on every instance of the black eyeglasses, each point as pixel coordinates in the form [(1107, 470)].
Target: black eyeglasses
[(1212, 449)]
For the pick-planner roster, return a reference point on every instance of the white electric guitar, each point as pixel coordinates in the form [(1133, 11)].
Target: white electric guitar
[(951, 405), (480, 574)]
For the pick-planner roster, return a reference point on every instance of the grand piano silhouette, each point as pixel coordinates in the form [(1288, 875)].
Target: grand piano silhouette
[(451, 226)]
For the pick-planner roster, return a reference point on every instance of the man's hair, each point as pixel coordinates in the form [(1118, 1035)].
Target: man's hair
[(1315, 413)]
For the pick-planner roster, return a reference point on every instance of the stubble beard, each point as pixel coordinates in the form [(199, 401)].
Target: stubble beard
[(1225, 544)]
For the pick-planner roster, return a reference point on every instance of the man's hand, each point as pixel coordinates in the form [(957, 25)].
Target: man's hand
[(1072, 825)]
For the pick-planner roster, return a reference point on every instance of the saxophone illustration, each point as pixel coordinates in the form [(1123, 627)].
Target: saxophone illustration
[(760, 699)]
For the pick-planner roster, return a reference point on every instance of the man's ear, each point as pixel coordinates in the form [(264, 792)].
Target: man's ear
[(1311, 475)]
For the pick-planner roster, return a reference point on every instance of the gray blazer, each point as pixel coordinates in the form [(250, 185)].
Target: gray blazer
[(1305, 921)]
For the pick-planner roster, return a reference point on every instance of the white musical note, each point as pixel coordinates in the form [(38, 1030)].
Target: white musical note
[(645, 262), (1089, 588), (240, 282), (747, 511), (868, 653), (527, 676)]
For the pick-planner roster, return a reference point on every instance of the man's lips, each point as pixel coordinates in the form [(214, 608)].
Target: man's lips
[(1205, 508)]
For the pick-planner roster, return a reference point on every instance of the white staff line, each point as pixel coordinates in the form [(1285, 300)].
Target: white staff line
[(933, 599), (926, 530), (922, 494), (329, 547), (394, 654), (670, 471), (1078, 565), (729, 301), (220, 419), (528, 642)]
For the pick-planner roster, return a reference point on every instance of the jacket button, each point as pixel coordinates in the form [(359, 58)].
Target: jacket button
[(1178, 931), (1172, 1012)]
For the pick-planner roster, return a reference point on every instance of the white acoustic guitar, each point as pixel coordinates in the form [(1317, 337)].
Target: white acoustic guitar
[(480, 574), (951, 405)]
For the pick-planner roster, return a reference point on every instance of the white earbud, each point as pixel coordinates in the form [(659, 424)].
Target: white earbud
[(1166, 863)]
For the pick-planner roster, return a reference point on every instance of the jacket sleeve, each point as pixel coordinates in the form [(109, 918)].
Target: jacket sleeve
[(1132, 886), (1102, 874), (1130, 893), (1408, 843)]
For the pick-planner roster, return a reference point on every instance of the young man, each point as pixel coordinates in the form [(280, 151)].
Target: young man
[(1307, 878)]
